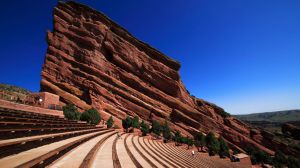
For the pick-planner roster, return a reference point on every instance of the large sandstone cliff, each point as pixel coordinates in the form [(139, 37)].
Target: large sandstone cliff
[(93, 62)]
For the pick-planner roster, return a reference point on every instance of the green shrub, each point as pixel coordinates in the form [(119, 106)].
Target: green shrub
[(136, 122), (166, 132), (199, 141), (71, 112), (110, 122), (183, 140), (212, 144), (279, 160), (259, 156), (189, 142), (177, 138), (127, 123), (293, 162), (116, 126), (144, 128), (156, 128), (225, 114), (224, 149), (91, 116)]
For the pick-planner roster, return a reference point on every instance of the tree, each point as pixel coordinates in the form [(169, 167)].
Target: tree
[(166, 132), (212, 144), (279, 159), (199, 141), (18, 100), (224, 149), (189, 142), (91, 116), (225, 114), (293, 162), (110, 122), (135, 122), (144, 128), (259, 156), (177, 138), (71, 112), (156, 128), (127, 123)]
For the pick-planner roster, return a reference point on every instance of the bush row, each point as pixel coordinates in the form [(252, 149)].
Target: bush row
[(214, 145), (91, 116)]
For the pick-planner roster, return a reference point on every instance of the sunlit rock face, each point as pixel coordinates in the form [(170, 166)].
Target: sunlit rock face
[(93, 62)]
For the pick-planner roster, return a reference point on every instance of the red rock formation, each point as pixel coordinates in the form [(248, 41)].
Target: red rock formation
[(93, 62), (291, 130)]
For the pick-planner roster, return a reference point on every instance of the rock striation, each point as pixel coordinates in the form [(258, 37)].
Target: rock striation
[(93, 62)]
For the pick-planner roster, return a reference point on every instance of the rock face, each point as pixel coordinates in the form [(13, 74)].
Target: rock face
[(292, 130), (93, 62)]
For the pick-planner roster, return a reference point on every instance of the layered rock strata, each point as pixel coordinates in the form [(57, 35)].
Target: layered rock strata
[(93, 62)]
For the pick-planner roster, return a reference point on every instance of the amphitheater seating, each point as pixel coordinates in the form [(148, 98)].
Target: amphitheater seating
[(39, 140)]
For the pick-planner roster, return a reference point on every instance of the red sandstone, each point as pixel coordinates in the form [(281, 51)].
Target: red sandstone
[(93, 62)]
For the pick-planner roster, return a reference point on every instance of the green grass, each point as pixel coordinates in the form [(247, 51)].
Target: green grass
[(279, 116)]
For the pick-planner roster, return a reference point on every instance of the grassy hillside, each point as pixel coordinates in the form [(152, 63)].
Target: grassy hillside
[(278, 116), (10, 88), (272, 121), (12, 93)]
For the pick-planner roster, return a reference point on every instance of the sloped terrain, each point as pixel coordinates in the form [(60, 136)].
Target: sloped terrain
[(277, 116), (12, 93)]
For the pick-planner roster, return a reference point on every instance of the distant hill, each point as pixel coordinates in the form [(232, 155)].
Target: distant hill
[(272, 121), (12, 93), (11, 88), (278, 116)]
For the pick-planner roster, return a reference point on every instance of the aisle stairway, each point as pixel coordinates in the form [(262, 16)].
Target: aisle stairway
[(39, 140)]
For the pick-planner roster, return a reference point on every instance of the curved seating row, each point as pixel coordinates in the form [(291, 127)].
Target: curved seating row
[(84, 146)]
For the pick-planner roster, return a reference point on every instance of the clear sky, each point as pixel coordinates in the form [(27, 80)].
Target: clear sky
[(243, 55)]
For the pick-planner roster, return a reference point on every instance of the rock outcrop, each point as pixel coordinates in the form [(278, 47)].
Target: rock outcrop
[(93, 62), (292, 130)]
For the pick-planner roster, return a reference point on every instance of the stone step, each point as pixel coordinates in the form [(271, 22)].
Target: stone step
[(103, 157), (152, 161), (169, 156), (12, 124), (152, 154), (183, 158), (134, 153), (160, 154), (25, 140), (76, 157), (24, 119), (203, 162), (28, 114), (17, 145), (123, 156), (11, 133), (38, 156), (203, 158)]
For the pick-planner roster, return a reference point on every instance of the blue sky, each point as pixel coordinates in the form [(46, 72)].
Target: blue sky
[(243, 55)]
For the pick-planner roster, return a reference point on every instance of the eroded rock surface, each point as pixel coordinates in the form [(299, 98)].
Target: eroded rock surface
[(93, 62)]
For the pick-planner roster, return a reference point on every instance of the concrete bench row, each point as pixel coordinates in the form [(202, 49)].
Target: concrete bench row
[(26, 112), (81, 145), (104, 149), (17, 124), (150, 153)]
